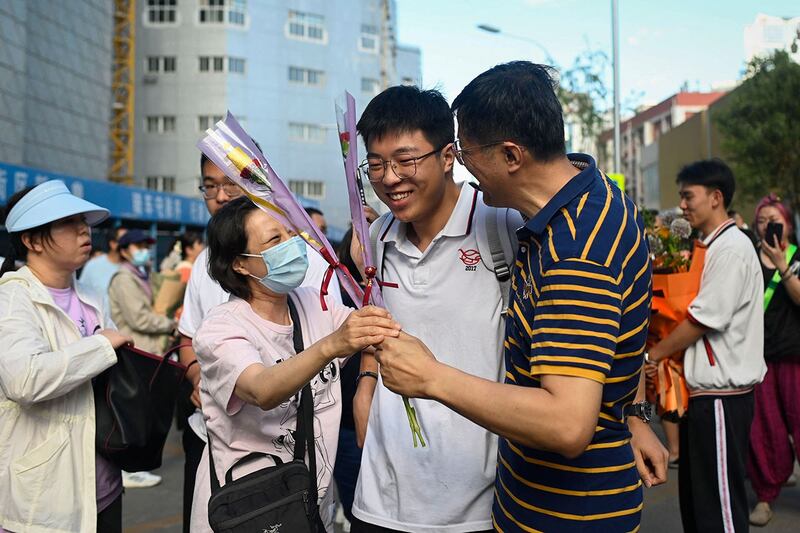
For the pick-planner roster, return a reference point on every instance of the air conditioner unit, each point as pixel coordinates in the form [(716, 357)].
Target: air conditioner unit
[(149, 79)]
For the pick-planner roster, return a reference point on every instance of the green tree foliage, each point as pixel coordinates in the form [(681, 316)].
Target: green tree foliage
[(760, 127), (585, 94)]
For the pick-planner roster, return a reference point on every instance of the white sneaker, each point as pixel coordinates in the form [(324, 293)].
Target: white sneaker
[(761, 514), (139, 480)]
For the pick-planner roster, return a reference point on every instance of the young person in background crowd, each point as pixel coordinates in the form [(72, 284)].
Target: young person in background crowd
[(97, 273), (724, 341), (775, 434), (130, 298)]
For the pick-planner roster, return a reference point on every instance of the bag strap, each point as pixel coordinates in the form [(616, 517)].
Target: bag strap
[(776, 277), (304, 428), (497, 243), (377, 231)]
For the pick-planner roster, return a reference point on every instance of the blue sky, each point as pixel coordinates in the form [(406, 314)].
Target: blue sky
[(662, 44)]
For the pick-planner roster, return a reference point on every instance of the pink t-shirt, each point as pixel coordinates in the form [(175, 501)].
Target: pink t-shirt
[(231, 338), (108, 477)]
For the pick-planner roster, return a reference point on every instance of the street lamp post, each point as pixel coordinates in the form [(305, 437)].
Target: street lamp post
[(493, 29), (615, 48)]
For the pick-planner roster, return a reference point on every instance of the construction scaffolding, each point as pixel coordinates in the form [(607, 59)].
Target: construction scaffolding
[(122, 89)]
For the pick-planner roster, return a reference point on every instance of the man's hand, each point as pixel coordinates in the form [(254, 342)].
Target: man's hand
[(407, 366), (650, 455), (193, 375)]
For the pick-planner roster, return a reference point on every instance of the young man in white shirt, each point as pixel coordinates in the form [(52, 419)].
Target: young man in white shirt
[(202, 295), (724, 342), (439, 290)]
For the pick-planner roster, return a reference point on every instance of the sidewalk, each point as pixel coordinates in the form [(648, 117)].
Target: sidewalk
[(159, 509)]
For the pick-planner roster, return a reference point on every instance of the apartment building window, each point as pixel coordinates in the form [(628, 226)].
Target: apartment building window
[(307, 188), (217, 64), (370, 86), (160, 123), (369, 39), (160, 183), (156, 64), (232, 12), (306, 27), (207, 121), (236, 65), (161, 12), (306, 76), (306, 132)]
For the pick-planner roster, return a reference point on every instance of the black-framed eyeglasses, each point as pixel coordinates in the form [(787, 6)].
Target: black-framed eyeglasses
[(210, 191), (404, 167), (460, 151)]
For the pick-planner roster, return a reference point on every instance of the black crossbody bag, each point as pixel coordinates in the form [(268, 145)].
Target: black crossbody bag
[(280, 498)]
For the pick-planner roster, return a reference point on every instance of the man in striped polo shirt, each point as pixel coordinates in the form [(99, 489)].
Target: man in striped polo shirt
[(576, 327)]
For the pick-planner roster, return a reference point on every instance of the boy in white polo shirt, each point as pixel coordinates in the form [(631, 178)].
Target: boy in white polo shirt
[(438, 288), (724, 342)]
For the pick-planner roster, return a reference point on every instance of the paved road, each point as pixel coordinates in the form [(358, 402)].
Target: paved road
[(158, 509)]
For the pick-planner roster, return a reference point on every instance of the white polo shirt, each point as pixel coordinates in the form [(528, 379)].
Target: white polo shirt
[(202, 295), (731, 303), (455, 307)]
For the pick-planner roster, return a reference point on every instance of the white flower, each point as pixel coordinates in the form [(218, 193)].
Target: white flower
[(681, 228)]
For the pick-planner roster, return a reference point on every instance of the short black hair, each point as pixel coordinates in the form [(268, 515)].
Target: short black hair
[(406, 109), (190, 238), (712, 174), (314, 211), (227, 239), (515, 102)]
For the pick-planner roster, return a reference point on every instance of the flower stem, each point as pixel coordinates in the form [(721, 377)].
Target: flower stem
[(416, 430)]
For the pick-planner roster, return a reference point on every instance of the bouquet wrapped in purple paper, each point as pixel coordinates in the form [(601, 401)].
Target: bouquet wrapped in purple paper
[(346, 122), (229, 147)]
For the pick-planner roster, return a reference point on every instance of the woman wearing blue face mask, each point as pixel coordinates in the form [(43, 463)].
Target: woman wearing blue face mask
[(130, 296), (250, 373)]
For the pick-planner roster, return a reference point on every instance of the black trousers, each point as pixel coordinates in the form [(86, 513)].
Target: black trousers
[(193, 447), (109, 520), (714, 443)]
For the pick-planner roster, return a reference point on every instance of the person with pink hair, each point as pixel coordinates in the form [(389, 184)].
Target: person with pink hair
[(777, 416)]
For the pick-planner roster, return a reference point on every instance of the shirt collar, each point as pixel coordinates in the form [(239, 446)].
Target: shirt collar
[(718, 231), (574, 187), (458, 225)]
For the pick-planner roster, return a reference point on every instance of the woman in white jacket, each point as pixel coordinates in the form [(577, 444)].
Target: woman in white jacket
[(54, 342)]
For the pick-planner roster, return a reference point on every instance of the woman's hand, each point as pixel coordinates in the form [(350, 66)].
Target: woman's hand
[(775, 254), (368, 326), (116, 338)]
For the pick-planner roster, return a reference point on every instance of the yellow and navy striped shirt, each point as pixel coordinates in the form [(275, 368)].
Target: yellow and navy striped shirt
[(580, 306)]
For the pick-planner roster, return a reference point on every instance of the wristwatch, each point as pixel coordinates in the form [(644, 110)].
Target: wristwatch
[(644, 410)]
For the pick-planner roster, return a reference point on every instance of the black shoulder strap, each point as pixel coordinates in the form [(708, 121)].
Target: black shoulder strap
[(304, 428)]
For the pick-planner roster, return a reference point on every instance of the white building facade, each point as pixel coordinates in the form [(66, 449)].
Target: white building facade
[(278, 66), (768, 33)]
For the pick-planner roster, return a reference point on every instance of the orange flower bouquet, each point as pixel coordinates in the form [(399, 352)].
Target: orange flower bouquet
[(677, 270)]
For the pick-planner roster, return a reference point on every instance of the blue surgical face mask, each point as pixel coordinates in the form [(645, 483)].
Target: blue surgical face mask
[(141, 257), (286, 264)]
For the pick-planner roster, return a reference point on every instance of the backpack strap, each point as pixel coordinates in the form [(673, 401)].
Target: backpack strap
[(497, 243), (377, 231)]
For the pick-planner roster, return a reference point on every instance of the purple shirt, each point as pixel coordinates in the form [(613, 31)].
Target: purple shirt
[(108, 478)]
